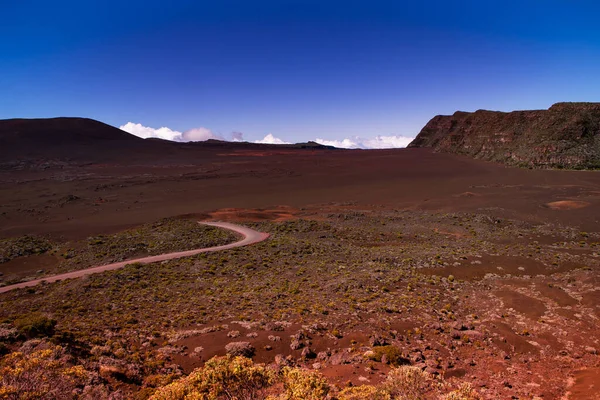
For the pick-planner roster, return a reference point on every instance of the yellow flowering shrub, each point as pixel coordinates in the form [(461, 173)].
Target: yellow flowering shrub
[(363, 392), (464, 392), (221, 378), (41, 374), (238, 378), (302, 384)]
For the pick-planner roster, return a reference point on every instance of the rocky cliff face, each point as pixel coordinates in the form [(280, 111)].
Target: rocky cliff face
[(567, 135)]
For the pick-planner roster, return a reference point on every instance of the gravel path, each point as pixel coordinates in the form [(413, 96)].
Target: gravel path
[(250, 237)]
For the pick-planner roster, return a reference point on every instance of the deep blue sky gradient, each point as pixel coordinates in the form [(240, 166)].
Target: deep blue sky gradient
[(297, 69)]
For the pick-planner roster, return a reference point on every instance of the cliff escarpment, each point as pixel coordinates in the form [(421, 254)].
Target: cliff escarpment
[(567, 135)]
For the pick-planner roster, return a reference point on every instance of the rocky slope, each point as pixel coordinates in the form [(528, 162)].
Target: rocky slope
[(567, 135)]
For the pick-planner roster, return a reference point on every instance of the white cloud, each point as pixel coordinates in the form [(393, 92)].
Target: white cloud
[(147, 132), (386, 142), (202, 134), (342, 144), (198, 135), (270, 139), (192, 135), (378, 142)]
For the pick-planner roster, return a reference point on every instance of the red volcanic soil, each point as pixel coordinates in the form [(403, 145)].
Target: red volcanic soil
[(268, 343), (77, 199), (280, 213), (586, 384), (567, 205)]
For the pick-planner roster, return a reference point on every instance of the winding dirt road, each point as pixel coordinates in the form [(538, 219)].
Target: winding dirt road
[(250, 237)]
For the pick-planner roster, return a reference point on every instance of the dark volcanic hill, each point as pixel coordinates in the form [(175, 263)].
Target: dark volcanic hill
[(65, 139), (567, 135), (26, 143), (52, 131)]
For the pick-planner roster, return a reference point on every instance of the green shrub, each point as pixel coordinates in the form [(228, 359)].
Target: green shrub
[(392, 353), (35, 325)]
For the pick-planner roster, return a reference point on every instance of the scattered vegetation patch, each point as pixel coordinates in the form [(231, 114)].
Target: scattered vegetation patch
[(389, 354), (164, 236), (22, 246), (221, 378), (239, 378), (337, 282), (47, 372), (35, 325)]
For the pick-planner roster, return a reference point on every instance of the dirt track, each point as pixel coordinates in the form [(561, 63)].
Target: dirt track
[(250, 237)]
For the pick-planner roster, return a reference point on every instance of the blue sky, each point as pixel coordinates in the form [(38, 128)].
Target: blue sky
[(298, 70)]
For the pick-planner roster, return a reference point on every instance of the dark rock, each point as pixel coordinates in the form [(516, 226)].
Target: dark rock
[(340, 358), (282, 361), (462, 326), (244, 349), (378, 340), (564, 136), (308, 353)]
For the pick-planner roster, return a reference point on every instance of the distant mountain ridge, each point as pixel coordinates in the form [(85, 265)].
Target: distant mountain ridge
[(567, 135), (83, 140)]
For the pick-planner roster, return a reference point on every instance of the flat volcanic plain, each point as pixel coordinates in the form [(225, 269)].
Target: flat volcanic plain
[(470, 270)]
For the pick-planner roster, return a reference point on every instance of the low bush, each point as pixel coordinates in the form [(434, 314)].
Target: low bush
[(22, 246), (410, 383), (221, 378), (303, 384), (41, 374), (35, 325), (393, 355), (464, 392), (363, 392)]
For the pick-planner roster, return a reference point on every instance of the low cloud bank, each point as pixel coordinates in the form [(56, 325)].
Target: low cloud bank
[(147, 132), (270, 139), (378, 142), (201, 134), (192, 135)]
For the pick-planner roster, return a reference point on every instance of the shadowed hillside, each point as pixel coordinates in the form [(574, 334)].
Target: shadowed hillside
[(65, 139)]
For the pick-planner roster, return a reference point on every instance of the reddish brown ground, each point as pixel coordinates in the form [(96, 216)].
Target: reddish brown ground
[(278, 214), (213, 345), (245, 186), (586, 384), (567, 205), (122, 194)]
